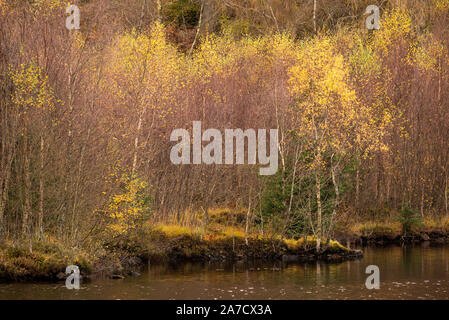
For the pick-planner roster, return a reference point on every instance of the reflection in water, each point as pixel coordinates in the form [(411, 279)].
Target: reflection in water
[(405, 273)]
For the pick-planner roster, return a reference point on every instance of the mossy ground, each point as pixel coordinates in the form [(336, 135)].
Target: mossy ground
[(172, 242), (45, 262), (390, 230), (159, 242)]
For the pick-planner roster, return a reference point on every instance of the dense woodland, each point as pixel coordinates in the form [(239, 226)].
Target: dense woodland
[(86, 115)]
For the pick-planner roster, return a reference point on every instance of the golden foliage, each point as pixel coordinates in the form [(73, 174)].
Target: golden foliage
[(127, 209), (32, 92)]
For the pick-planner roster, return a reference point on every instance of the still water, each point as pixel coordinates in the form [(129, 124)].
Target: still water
[(419, 272)]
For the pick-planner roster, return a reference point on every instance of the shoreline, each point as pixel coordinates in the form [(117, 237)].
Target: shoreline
[(19, 265), (48, 262), (382, 238), (190, 248)]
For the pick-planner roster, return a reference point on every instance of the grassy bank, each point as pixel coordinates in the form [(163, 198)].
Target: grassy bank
[(224, 240), (389, 231), (177, 243), (47, 261), (160, 243)]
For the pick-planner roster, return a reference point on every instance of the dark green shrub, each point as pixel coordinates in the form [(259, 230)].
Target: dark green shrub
[(182, 12), (409, 219)]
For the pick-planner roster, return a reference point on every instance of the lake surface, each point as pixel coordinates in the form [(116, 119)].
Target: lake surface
[(419, 272)]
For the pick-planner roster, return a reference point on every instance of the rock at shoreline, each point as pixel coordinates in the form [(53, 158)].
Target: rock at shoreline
[(61, 276), (425, 237), (290, 258)]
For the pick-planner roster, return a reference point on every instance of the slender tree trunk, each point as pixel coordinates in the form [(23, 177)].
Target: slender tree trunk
[(198, 29), (206, 206), (232, 224), (3, 161), (4, 195), (75, 219), (314, 16), (273, 16), (292, 187), (136, 142), (40, 223), (293, 182), (206, 219), (68, 156), (422, 200), (6, 164), (261, 215), (319, 212), (159, 9), (248, 213), (142, 13), (357, 185), (27, 185), (446, 191), (336, 203), (439, 79)]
